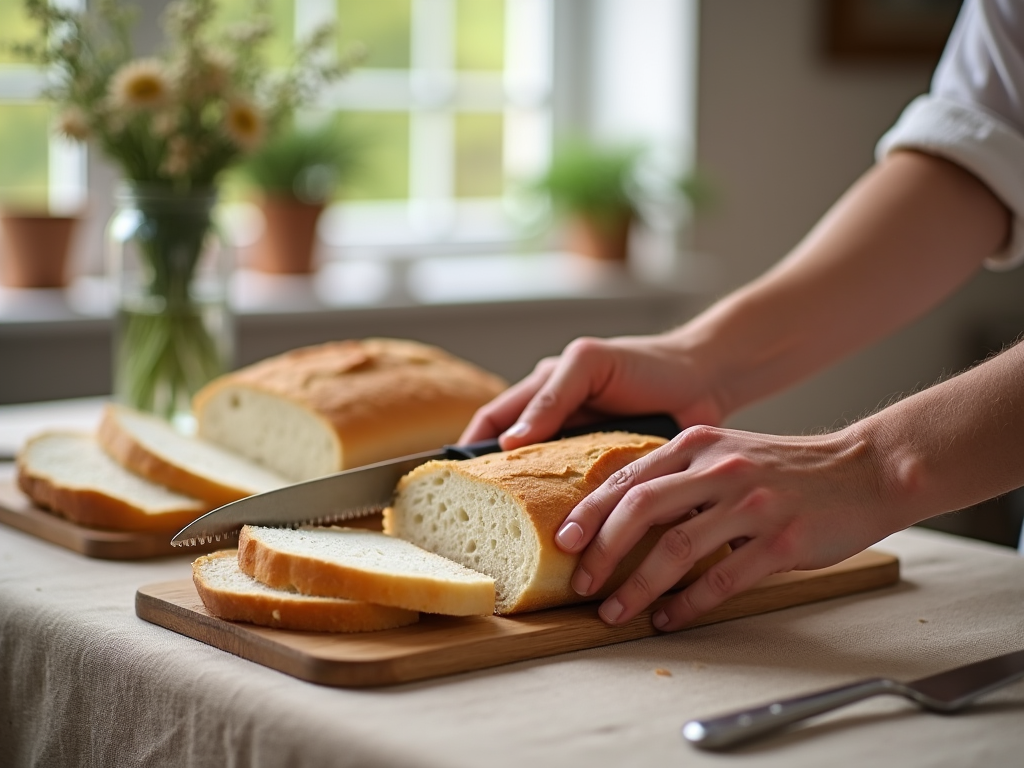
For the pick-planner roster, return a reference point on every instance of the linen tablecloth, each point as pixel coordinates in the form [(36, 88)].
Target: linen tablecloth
[(84, 682)]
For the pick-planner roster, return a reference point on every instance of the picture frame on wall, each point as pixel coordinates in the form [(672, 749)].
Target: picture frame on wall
[(888, 30)]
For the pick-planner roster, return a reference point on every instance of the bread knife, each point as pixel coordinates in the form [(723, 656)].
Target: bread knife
[(361, 491)]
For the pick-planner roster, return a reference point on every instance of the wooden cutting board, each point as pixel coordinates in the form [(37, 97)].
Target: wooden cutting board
[(440, 645), (18, 511)]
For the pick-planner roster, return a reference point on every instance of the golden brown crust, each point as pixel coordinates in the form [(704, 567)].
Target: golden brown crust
[(296, 612), (123, 448), (548, 480), (313, 576), (94, 509), (373, 393)]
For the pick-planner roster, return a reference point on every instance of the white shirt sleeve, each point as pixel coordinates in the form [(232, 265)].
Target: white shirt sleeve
[(974, 114)]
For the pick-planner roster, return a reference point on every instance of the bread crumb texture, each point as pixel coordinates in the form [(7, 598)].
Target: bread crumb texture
[(329, 407), (499, 513), (363, 565), (230, 594)]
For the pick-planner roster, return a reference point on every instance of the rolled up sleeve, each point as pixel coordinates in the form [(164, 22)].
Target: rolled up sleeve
[(974, 114)]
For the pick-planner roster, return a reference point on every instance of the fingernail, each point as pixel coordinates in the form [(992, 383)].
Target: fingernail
[(518, 429), (611, 610), (660, 620), (570, 535), (581, 581)]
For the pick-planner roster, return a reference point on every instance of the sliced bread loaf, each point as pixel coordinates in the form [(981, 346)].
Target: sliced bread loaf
[(152, 448), (322, 409), (499, 514), (363, 565), (68, 473), (230, 594)]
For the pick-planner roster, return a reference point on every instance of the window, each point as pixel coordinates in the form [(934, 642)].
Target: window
[(451, 105), (38, 171)]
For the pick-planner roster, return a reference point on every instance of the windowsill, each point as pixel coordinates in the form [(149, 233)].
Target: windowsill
[(360, 284)]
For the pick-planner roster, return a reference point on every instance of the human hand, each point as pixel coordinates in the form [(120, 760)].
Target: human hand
[(783, 503), (598, 378)]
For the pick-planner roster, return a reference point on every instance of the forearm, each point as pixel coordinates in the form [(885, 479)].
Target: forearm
[(952, 445), (909, 233)]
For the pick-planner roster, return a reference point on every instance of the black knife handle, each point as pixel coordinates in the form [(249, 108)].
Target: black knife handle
[(659, 424)]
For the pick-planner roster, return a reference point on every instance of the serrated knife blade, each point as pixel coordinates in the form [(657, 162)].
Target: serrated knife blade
[(360, 491)]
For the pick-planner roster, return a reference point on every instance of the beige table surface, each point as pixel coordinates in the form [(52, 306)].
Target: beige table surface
[(84, 682)]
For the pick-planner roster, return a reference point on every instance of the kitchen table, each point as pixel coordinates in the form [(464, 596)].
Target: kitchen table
[(84, 682)]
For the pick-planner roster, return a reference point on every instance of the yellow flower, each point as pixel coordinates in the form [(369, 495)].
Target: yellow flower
[(244, 124), (73, 123), (140, 84)]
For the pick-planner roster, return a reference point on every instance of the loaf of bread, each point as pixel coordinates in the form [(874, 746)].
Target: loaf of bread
[(321, 409), (68, 473), (499, 513), (152, 448), (230, 594), (363, 565)]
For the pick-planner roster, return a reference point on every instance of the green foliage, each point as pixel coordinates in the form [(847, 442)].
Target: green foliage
[(307, 164), (209, 99), (588, 178)]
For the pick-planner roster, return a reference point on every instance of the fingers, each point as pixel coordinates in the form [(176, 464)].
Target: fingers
[(573, 379), (499, 414), (737, 572)]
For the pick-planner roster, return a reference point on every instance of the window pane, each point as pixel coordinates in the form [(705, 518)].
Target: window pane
[(383, 26), (16, 28), (478, 155), (280, 49), (382, 170), (24, 154), (480, 34)]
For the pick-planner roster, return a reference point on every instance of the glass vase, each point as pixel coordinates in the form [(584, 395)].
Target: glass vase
[(170, 265)]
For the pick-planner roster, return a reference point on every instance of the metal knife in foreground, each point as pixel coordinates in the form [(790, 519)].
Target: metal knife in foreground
[(362, 490), (945, 692)]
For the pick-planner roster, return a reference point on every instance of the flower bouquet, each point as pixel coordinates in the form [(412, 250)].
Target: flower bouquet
[(173, 123)]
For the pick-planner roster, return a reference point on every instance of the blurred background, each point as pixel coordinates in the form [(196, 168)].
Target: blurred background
[(775, 108)]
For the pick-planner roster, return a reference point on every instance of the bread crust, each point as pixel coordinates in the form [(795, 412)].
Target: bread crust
[(95, 509), (548, 480), (292, 611), (380, 398), (313, 576), (133, 455)]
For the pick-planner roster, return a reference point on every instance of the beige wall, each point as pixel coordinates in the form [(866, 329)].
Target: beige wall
[(782, 133)]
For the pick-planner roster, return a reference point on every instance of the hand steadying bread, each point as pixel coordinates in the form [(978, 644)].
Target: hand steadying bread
[(465, 537)]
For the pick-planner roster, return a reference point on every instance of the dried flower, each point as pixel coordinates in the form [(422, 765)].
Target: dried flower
[(244, 124), (140, 84), (185, 117), (180, 156), (73, 123)]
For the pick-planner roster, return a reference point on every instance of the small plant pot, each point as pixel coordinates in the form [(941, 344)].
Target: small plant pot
[(289, 236), (605, 238), (34, 249)]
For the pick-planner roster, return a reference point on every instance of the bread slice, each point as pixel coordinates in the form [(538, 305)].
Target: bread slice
[(499, 514), (68, 473), (230, 594), (322, 409), (363, 565), (151, 447)]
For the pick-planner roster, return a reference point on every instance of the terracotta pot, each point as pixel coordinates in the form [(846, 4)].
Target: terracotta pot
[(35, 249), (600, 237), (289, 236)]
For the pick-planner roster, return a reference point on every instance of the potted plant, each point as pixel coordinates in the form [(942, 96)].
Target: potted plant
[(590, 187), (296, 174), (599, 191), (34, 246)]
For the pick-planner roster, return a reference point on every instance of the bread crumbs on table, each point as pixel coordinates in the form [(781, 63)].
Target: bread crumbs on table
[(662, 672)]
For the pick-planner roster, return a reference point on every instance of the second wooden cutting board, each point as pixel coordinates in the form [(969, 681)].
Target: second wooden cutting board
[(440, 645)]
